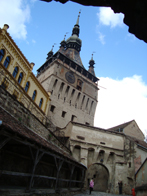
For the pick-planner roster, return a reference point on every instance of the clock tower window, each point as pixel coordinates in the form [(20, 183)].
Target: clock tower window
[(73, 118), (52, 108), (79, 85), (63, 114)]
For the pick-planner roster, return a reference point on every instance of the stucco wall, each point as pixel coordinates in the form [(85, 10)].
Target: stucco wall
[(95, 137), (141, 176), (95, 148)]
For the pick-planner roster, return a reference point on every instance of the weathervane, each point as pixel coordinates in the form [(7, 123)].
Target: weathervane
[(79, 12), (92, 55), (53, 46), (65, 35)]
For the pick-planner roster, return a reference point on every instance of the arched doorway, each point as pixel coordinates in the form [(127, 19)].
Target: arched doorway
[(100, 174)]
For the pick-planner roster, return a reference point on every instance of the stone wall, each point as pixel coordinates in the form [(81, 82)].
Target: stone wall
[(44, 128)]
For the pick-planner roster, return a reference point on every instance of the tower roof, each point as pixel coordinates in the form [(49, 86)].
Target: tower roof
[(74, 41), (72, 46)]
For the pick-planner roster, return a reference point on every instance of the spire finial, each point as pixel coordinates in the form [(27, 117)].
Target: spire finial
[(76, 28), (53, 46), (77, 23), (92, 56), (50, 54)]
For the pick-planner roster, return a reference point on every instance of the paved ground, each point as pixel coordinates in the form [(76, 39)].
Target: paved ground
[(96, 193)]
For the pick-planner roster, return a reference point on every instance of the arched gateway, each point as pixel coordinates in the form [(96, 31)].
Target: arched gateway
[(100, 174)]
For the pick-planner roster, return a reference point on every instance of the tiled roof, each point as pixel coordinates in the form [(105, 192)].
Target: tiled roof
[(97, 128), (122, 126), (13, 125), (73, 55)]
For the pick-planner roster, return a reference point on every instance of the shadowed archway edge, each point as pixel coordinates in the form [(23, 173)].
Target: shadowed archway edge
[(98, 164)]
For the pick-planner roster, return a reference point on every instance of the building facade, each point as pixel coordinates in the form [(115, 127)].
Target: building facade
[(17, 78), (109, 156), (74, 90)]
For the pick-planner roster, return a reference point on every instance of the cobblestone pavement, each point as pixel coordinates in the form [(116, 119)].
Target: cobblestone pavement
[(96, 193)]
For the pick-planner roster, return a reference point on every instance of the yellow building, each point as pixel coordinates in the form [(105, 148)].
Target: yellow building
[(17, 78)]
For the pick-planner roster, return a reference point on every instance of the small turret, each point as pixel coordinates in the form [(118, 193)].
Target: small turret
[(63, 42), (91, 66), (50, 54), (6, 27)]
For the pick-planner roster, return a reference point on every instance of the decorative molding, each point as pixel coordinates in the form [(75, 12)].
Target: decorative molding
[(17, 53)]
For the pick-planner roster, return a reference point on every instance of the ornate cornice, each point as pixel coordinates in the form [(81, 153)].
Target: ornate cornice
[(16, 53)]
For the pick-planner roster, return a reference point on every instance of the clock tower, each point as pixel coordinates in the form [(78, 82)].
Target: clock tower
[(73, 89)]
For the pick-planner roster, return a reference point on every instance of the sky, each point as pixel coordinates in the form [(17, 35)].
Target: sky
[(120, 58)]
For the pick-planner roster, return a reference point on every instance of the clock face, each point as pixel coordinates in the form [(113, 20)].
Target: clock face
[(70, 77)]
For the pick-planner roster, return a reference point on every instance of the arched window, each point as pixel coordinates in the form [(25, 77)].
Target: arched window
[(2, 52), (41, 101), (20, 78), (55, 83), (27, 86), (15, 72), (91, 107), (82, 101), (7, 62), (87, 103), (34, 95), (67, 90), (79, 85), (61, 87)]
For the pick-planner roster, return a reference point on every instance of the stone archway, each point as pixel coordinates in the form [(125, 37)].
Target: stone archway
[(100, 174)]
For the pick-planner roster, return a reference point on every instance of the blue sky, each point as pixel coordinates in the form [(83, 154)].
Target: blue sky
[(121, 60)]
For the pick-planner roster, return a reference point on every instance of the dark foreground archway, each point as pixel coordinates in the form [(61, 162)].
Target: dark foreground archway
[(100, 174)]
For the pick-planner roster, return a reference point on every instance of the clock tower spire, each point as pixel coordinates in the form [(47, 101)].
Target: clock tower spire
[(76, 29)]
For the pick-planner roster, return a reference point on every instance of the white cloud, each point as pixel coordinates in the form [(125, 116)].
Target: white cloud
[(101, 37), (15, 13), (109, 18), (122, 101), (33, 41)]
